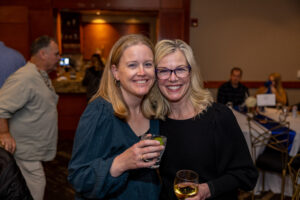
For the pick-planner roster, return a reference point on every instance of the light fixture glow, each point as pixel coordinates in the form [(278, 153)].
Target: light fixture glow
[(98, 21)]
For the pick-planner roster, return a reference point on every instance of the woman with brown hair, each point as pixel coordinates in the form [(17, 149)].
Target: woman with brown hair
[(108, 158)]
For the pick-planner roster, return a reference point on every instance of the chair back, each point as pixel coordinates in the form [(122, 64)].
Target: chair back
[(294, 170), (275, 138)]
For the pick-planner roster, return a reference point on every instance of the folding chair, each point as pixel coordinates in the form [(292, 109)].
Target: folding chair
[(294, 170), (274, 157)]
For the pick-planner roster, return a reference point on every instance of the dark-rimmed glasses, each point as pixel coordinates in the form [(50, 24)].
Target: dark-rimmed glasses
[(180, 72)]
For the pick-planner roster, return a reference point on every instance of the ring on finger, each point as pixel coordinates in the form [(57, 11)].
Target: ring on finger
[(142, 158)]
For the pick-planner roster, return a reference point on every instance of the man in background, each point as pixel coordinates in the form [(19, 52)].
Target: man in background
[(28, 115), (233, 91), (10, 61)]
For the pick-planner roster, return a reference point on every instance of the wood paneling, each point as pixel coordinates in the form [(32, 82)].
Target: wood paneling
[(69, 108), (171, 4), (101, 37), (15, 28), (108, 4), (13, 14), (31, 4), (171, 24), (40, 27)]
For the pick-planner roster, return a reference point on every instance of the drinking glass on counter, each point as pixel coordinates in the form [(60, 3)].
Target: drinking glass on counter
[(186, 184), (163, 141)]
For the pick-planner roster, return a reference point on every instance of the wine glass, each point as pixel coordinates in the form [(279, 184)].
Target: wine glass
[(186, 184)]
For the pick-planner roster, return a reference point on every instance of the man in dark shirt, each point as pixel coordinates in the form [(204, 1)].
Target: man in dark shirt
[(233, 91)]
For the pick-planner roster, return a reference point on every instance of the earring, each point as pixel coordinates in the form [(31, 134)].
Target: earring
[(117, 82)]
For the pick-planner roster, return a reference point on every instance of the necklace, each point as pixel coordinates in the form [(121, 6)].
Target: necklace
[(46, 79)]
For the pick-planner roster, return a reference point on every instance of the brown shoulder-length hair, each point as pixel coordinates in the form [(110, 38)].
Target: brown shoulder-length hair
[(277, 80), (109, 89), (200, 98)]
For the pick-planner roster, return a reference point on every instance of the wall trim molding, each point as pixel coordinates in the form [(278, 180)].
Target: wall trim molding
[(253, 84)]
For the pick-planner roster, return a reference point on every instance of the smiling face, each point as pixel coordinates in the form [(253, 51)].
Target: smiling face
[(135, 71), (174, 89)]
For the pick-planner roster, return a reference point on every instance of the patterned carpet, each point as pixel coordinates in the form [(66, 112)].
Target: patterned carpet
[(58, 187)]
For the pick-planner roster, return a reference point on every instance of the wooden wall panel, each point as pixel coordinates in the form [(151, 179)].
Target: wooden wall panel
[(133, 4), (31, 4), (171, 4), (103, 36), (14, 28), (171, 24), (13, 14), (70, 107), (108, 4), (39, 27)]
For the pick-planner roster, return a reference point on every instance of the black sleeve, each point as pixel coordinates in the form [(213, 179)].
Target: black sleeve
[(247, 92), (221, 96), (86, 78), (235, 165), (13, 185)]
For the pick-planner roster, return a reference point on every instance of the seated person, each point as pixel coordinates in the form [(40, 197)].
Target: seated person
[(12, 182), (233, 91), (274, 86), (93, 75)]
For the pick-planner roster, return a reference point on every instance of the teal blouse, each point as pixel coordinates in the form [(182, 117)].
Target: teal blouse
[(100, 137)]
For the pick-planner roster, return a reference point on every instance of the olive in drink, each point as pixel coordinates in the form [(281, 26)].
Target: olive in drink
[(186, 184), (183, 191)]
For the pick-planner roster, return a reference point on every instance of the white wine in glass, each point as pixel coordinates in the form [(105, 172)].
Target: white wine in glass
[(186, 184)]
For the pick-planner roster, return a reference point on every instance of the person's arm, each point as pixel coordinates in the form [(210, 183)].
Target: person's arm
[(235, 164), (6, 140), (86, 77), (133, 157), (13, 96), (203, 192), (261, 90)]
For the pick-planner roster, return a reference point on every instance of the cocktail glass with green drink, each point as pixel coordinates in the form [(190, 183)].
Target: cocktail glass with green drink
[(163, 141)]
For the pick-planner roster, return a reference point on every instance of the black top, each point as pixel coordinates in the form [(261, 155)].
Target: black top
[(91, 80), (227, 93), (211, 144), (12, 183)]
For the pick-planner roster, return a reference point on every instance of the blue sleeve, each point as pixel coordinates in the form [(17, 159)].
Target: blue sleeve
[(89, 167)]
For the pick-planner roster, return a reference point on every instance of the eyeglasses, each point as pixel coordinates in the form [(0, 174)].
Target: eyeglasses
[(180, 72)]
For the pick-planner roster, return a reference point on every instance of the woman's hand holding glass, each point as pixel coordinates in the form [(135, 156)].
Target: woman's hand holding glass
[(186, 186), (135, 157), (203, 192)]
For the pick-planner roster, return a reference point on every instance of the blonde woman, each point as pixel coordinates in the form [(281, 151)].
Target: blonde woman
[(108, 156), (202, 135), (274, 86)]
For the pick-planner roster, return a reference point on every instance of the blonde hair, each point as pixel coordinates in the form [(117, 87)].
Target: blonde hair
[(109, 89), (200, 98)]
